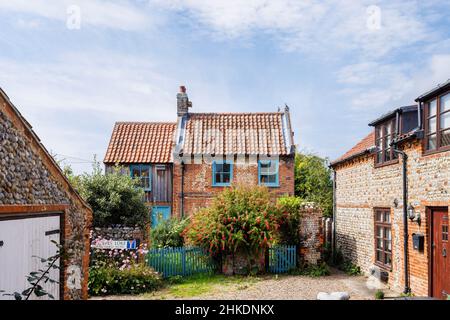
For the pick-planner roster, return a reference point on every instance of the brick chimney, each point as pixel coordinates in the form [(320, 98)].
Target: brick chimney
[(183, 103)]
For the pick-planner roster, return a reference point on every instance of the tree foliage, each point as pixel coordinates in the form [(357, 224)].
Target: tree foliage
[(115, 198), (168, 233), (313, 181)]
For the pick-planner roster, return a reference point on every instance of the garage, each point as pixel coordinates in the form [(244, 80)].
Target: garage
[(23, 239), (38, 205)]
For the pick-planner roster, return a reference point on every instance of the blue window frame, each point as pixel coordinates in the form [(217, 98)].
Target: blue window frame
[(222, 173), (268, 173), (142, 172)]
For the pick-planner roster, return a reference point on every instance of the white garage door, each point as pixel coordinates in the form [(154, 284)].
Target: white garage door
[(21, 240)]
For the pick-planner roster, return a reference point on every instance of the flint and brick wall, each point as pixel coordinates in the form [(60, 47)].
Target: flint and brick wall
[(360, 187), (199, 191), (30, 180)]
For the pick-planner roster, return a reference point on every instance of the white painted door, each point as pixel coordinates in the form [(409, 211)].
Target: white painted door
[(21, 240)]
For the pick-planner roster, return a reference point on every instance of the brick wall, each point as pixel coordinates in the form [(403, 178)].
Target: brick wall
[(199, 191), (360, 187), (29, 178)]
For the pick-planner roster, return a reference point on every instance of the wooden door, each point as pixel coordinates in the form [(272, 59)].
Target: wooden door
[(440, 253), (162, 184)]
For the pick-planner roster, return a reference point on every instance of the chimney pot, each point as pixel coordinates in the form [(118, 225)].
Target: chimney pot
[(182, 89)]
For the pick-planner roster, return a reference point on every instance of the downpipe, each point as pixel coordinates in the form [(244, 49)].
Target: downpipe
[(407, 289)]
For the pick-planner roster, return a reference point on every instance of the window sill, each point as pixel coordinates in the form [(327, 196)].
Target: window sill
[(222, 185), (270, 185), (385, 164), (383, 266), (431, 152)]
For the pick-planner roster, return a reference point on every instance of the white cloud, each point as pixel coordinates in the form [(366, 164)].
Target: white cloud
[(327, 27), (378, 87), (111, 14)]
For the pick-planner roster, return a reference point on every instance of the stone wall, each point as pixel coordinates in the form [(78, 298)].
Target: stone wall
[(311, 234), (361, 187), (199, 191), (119, 233), (29, 176)]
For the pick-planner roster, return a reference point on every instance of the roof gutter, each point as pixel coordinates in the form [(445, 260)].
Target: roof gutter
[(356, 155)]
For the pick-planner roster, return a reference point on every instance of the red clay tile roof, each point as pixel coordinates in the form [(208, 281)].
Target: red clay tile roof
[(360, 147), (236, 133), (141, 142)]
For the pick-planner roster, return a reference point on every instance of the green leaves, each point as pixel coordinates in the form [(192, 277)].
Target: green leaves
[(242, 217), (114, 197), (313, 181), (168, 233)]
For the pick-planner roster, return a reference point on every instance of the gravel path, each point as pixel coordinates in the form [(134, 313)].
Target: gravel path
[(281, 288)]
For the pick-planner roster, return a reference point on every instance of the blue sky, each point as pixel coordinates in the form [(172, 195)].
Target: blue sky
[(337, 64)]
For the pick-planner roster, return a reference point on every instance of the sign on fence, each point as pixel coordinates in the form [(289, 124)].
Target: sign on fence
[(115, 244)]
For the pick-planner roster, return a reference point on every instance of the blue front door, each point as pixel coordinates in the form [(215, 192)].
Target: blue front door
[(159, 214)]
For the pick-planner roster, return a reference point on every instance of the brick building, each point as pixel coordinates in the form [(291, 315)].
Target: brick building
[(184, 164), (399, 172), (38, 206)]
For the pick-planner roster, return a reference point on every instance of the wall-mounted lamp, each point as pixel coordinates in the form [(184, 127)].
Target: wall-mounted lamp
[(413, 215)]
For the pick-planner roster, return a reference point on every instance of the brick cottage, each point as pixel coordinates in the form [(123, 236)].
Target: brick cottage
[(37, 206), (392, 197), (184, 164)]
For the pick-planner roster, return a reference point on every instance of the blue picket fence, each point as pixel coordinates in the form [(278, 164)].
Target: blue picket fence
[(282, 259), (180, 261)]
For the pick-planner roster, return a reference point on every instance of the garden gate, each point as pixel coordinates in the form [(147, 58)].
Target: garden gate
[(282, 259), (181, 261)]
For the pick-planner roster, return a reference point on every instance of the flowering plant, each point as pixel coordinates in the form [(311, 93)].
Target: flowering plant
[(241, 217)]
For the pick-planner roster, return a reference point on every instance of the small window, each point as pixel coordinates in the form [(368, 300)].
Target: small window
[(143, 173), (268, 173), (437, 123), (222, 173), (385, 134), (444, 233), (383, 238)]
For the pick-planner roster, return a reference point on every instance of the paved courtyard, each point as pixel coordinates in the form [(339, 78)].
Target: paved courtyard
[(268, 287)]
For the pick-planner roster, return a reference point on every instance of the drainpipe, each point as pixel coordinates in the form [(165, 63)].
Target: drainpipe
[(182, 190), (407, 289), (333, 240)]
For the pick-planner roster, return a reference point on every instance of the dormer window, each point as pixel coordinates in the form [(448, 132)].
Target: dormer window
[(384, 135), (437, 124)]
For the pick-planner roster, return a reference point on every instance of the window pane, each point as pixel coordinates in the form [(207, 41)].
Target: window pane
[(387, 259), (432, 109), (226, 177), (431, 142), (445, 138), (379, 256), (432, 125), (445, 121), (379, 216), (445, 103), (380, 157), (218, 178), (387, 154), (387, 217), (379, 232), (135, 172), (379, 244)]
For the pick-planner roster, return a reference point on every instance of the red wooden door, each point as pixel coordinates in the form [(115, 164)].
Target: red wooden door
[(440, 252)]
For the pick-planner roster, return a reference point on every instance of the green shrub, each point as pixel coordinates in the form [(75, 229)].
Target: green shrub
[(289, 232), (349, 268), (242, 217), (136, 279), (318, 270), (115, 198), (379, 295), (168, 233)]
